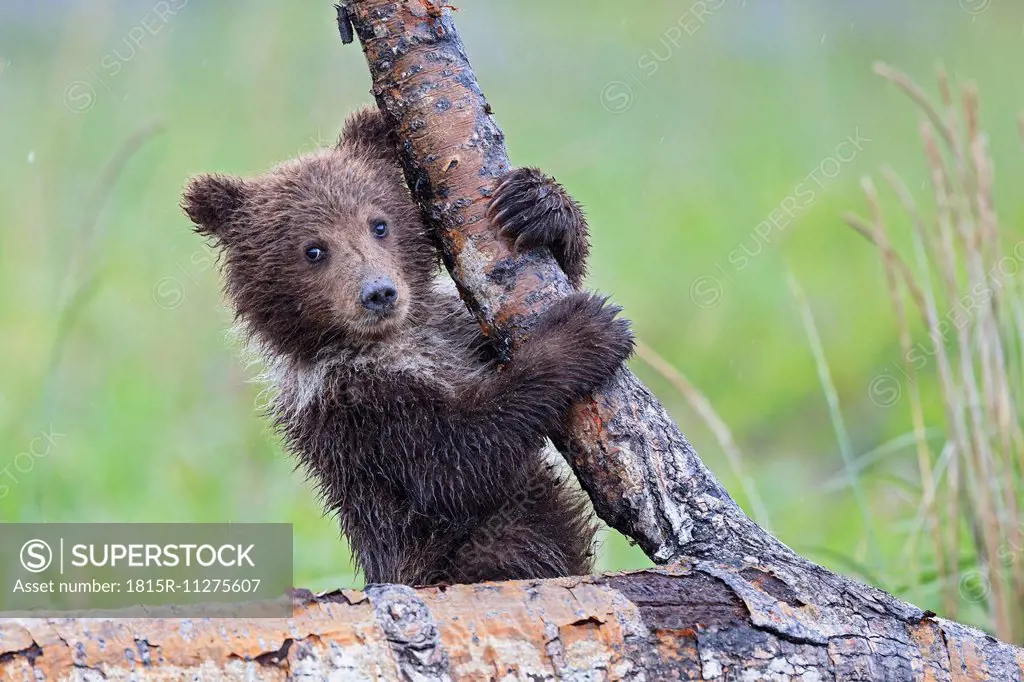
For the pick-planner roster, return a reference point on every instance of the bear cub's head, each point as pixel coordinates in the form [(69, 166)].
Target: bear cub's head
[(328, 248)]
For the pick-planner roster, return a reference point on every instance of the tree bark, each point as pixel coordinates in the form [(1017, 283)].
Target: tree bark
[(696, 623), (642, 475)]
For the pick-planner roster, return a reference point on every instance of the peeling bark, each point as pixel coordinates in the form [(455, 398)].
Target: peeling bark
[(686, 623)]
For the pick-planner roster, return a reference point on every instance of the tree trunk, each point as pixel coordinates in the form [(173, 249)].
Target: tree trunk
[(698, 623), (642, 475)]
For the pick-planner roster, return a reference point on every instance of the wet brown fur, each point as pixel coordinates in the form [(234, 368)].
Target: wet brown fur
[(427, 450)]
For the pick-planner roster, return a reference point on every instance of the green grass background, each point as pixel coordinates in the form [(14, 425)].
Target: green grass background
[(112, 335)]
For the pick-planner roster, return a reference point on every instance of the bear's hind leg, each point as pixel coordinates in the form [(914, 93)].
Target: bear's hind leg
[(545, 531)]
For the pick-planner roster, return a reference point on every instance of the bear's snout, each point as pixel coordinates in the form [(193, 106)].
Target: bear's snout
[(379, 295)]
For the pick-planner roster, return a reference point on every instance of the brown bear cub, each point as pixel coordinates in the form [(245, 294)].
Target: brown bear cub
[(428, 450)]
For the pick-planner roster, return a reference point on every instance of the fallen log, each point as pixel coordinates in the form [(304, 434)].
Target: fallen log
[(696, 623)]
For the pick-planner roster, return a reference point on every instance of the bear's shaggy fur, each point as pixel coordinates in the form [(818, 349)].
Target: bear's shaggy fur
[(425, 447)]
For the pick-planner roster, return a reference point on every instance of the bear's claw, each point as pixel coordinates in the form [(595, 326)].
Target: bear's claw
[(534, 210)]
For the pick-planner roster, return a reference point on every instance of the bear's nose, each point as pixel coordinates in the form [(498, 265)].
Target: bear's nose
[(378, 295)]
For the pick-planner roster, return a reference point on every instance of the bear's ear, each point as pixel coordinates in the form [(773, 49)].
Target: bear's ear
[(369, 132), (211, 200)]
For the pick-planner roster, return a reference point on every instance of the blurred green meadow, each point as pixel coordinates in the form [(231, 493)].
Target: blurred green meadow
[(715, 146)]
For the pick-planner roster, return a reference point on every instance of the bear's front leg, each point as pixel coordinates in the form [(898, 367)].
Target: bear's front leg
[(534, 210), (574, 348)]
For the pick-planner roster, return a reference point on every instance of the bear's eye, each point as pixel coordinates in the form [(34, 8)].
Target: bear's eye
[(315, 254), (380, 229)]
